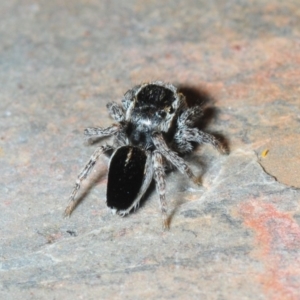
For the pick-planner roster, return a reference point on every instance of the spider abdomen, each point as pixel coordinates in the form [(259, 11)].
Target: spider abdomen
[(125, 177)]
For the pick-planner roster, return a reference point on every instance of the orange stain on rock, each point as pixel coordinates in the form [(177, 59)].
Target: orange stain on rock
[(278, 242)]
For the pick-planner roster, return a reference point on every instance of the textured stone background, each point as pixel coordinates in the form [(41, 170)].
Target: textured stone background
[(237, 237)]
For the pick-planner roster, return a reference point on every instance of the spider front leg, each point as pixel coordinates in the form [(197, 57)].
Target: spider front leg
[(159, 176), (82, 175), (172, 157), (98, 132), (116, 111)]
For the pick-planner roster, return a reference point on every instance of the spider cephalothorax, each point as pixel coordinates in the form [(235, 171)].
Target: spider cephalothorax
[(154, 128)]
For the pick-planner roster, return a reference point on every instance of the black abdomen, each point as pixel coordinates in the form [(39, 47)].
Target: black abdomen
[(125, 177)]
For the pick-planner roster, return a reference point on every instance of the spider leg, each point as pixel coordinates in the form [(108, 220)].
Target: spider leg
[(159, 176), (82, 175), (99, 132), (116, 111), (198, 136), (172, 157), (189, 116)]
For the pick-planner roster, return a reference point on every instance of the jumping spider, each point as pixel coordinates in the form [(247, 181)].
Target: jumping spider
[(154, 128)]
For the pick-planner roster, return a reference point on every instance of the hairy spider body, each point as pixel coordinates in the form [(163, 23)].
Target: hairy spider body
[(154, 126)]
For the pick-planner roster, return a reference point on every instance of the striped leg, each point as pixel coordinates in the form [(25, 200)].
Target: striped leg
[(173, 158), (82, 175), (159, 176), (200, 137), (98, 132)]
